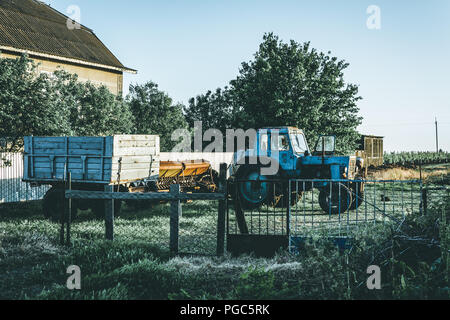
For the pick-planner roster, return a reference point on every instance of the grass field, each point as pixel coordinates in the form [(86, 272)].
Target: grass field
[(137, 265)]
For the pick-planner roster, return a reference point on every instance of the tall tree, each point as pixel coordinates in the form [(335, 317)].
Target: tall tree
[(155, 113), (292, 84), (93, 110), (286, 84), (27, 104)]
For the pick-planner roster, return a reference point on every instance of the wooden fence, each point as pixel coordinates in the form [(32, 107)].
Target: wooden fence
[(174, 196)]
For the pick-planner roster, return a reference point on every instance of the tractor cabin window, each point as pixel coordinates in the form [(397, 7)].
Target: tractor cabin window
[(299, 143)]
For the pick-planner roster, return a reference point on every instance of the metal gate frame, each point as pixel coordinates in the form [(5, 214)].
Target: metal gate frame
[(395, 205), (268, 228)]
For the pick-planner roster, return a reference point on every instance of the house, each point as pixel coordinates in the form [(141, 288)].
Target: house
[(33, 27)]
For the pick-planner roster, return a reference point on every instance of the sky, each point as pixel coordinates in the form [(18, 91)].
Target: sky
[(399, 58)]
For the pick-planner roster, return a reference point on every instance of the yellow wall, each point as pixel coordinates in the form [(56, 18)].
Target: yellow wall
[(113, 81)]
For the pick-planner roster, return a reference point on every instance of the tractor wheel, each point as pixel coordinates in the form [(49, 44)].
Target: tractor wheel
[(98, 208), (336, 202), (357, 196), (53, 205), (255, 189)]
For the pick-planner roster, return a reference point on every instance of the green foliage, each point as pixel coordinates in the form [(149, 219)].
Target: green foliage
[(92, 110), (214, 109), (28, 105), (255, 284), (286, 84), (36, 104), (416, 158), (154, 113)]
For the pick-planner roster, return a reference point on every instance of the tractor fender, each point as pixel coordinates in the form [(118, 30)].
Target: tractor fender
[(258, 161)]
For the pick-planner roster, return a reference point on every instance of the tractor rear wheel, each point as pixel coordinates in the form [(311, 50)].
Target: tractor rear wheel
[(337, 201), (252, 188)]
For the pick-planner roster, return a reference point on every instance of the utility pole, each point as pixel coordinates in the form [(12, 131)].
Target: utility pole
[(437, 138)]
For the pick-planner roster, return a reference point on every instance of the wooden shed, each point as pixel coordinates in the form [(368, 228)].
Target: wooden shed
[(371, 149)]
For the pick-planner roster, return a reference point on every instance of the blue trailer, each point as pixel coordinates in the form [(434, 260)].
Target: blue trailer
[(94, 162)]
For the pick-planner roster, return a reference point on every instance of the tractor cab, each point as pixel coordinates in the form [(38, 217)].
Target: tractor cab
[(287, 145)]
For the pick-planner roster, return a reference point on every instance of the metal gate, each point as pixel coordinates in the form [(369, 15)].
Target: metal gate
[(300, 212), (372, 201)]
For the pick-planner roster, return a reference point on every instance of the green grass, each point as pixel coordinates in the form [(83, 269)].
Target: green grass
[(137, 265), (416, 158)]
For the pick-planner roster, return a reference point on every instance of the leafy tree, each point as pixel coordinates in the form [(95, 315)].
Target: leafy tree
[(27, 104), (291, 84), (155, 113), (92, 110), (288, 84), (213, 109)]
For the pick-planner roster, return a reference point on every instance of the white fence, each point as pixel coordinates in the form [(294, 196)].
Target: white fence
[(12, 189)]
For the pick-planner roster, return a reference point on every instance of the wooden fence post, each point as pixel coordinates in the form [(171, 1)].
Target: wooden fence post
[(175, 212), (222, 210), (109, 215)]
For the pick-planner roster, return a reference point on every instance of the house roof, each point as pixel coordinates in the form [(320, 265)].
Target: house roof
[(34, 27)]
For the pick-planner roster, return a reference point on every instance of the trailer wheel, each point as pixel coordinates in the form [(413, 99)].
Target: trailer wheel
[(338, 201), (98, 208), (53, 205)]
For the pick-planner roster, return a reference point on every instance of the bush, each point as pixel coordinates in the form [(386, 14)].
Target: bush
[(255, 284)]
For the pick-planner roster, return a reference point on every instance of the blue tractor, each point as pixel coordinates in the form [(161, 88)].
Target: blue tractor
[(280, 155)]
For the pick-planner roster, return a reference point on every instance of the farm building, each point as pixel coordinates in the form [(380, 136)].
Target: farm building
[(371, 149), (33, 27)]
